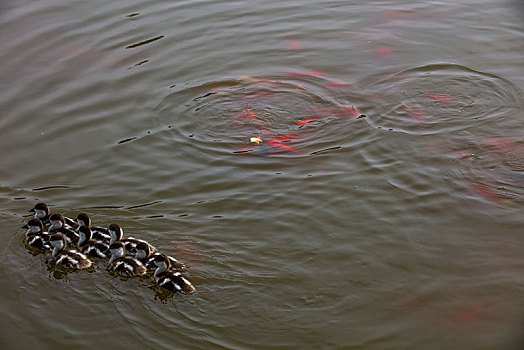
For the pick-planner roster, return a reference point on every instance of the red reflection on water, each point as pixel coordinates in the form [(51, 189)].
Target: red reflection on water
[(450, 148), (486, 193), (278, 145), (285, 138), (339, 84), (307, 121), (351, 111), (500, 144), (469, 315), (294, 44), (247, 113), (286, 147), (277, 142), (187, 253), (416, 114), (440, 98), (311, 73)]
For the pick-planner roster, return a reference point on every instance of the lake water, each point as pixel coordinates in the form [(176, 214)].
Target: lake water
[(382, 209)]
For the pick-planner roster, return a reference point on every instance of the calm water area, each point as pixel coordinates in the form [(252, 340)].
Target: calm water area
[(335, 174)]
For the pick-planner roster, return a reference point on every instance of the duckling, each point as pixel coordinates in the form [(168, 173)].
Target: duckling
[(89, 246), (35, 235), (125, 266), (144, 255), (67, 258), (97, 233), (173, 281), (41, 211), (116, 234), (58, 225)]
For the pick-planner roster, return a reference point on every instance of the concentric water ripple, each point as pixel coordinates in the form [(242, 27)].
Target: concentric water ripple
[(297, 111), (443, 99)]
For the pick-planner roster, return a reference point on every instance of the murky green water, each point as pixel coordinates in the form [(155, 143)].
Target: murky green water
[(399, 229)]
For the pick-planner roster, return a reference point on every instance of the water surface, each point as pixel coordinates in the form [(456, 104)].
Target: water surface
[(392, 219)]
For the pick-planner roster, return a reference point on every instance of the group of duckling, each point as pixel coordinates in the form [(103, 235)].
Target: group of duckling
[(129, 256)]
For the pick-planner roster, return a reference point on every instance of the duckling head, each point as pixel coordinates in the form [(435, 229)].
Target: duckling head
[(83, 219), (57, 221), (41, 210), (161, 262), (115, 232), (58, 242), (33, 226), (117, 250), (142, 250)]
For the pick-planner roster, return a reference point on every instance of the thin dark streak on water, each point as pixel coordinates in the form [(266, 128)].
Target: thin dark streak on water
[(154, 216), (138, 64), (52, 187), (144, 205), (204, 96), (145, 42), (127, 140), (327, 150), (105, 207)]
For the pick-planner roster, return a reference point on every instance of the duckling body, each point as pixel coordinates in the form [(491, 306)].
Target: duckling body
[(116, 233), (58, 225), (89, 246), (144, 255), (97, 233), (170, 280), (67, 258), (124, 265), (35, 236)]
